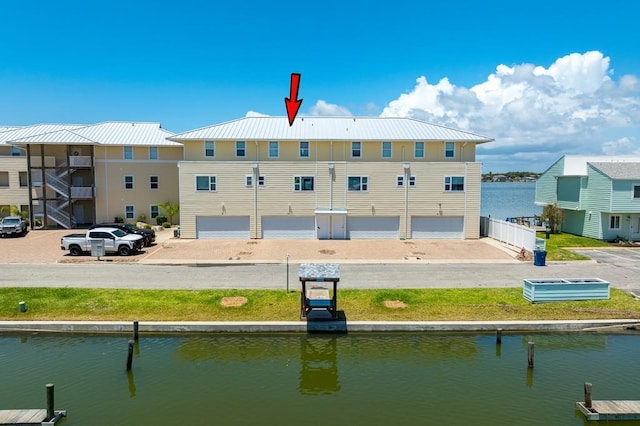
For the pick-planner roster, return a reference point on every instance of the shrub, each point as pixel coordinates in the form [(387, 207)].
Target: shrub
[(161, 219), (142, 218), (118, 219), (147, 226), (166, 225)]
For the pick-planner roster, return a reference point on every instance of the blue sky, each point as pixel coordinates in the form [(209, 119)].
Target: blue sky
[(543, 78)]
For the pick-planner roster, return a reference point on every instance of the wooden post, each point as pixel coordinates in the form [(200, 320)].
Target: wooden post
[(530, 354), (135, 330), (50, 411), (287, 273), (587, 395), (130, 355), (499, 336)]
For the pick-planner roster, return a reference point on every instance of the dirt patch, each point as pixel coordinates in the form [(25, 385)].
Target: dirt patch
[(395, 304), (327, 251), (252, 242), (233, 302)]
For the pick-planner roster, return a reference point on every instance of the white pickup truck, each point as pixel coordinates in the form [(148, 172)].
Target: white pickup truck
[(115, 241)]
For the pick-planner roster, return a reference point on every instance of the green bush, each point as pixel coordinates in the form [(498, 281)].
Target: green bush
[(161, 219), (166, 225), (147, 226), (142, 218), (118, 219)]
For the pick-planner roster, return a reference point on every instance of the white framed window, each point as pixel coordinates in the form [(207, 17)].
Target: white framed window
[(358, 183), (130, 212), (418, 150), (153, 153), (128, 182), (400, 180), (15, 151), (614, 222), (454, 183), (154, 182), (303, 183), (127, 153), (241, 149), (304, 149), (154, 211), (386, 150), (449, 150), (209, 149), (356, 149), (206, 183), (274, 149), (636, 192), (248, 181)]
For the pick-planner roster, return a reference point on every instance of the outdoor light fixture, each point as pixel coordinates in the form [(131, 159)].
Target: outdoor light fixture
[(331, 165), (406, 165), (254, 165)]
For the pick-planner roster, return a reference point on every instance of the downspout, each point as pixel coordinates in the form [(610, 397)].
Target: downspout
[(331, 171), (255, 191), (406, 199), (466, 189)]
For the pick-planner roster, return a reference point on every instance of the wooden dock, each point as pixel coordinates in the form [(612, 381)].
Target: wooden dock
[(610, 410)]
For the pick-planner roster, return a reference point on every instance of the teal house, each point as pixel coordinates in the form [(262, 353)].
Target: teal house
[(599, 195)]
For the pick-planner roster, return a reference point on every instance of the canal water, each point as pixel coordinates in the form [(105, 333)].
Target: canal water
[(355, 379)]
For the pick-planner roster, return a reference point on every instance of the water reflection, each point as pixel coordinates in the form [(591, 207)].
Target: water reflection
[(319, 365)]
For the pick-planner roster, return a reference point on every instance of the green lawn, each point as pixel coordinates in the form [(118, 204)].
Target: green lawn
[(557, 242), (272, 305)]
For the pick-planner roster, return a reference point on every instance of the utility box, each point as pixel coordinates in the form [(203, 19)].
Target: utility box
[(97, 248), (541, 244)]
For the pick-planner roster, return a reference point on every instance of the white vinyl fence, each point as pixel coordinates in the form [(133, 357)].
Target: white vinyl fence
[(508, 233)]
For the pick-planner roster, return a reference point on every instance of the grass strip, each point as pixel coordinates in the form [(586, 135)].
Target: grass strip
[(78, 304)]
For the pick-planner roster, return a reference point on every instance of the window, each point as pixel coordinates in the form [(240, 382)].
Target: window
[(453, 183), (448, 150), (419, 150), (153, 153), (386, 149), (15, 151), (154, 182), (128, 182), (304, 149), (241, 149), (400, 180), (129, 212), (248, 180), (205, 183), (209, 149), (636, 192), (4, 179), (355, 149), (358, 183), (303, 183), (154, 211), (128, 153), (614, 222), (273, 149), (22, 178)]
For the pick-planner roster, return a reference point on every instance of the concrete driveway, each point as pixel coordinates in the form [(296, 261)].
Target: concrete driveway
[(621, 257)]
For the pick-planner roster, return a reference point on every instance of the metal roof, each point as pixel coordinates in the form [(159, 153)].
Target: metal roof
[(330, 129), (619, 171), (576, 165), (108, 133)]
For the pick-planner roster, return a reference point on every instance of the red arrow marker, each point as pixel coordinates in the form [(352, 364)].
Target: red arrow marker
[(292, 103)]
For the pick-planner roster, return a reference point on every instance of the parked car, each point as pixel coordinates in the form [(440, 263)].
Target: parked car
[(13, 225), (115, 241), (149, 235)]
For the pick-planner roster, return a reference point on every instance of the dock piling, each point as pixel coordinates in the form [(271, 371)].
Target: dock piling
[(130, 355), (136, 328), (499, 336), (588, 403), (530, 354), (50, 402)]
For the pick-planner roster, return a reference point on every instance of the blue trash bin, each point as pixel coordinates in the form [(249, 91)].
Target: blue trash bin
[(539, 257)]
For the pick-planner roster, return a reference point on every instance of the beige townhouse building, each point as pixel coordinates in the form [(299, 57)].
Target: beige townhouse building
[(75, 175), (329, 178)]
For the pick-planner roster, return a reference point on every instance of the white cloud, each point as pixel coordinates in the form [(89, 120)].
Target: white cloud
[(323, 108), (572, 107), (255, 114), (622, 146)]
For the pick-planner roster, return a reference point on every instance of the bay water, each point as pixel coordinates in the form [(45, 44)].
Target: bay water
[(502, 200)]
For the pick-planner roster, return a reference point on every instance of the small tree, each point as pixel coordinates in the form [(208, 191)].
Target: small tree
[(14, 211), (552, 215), (171, 209)]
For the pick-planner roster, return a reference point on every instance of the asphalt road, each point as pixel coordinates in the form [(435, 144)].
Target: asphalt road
[(271, 276)]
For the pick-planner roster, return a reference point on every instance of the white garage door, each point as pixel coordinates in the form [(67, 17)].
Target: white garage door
[(373, 227), (274, 227), (437, 227), (221, 227)]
